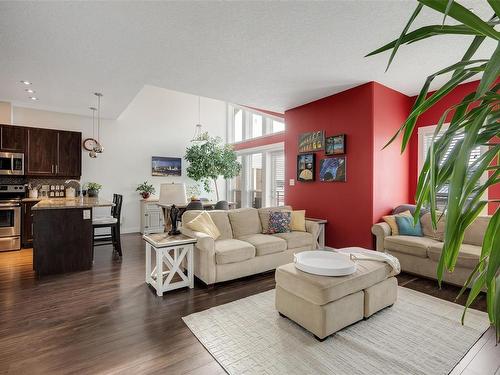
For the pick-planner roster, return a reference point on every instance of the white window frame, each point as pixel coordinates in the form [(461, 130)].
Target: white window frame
[(424, 131), (245, 154), (267, 125)]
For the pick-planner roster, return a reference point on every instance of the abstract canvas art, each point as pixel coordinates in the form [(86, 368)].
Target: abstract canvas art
[(333, 169)]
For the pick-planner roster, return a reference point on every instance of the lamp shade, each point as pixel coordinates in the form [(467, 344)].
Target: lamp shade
[(172, 194)]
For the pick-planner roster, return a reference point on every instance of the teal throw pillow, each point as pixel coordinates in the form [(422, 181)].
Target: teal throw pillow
[(406, 227)]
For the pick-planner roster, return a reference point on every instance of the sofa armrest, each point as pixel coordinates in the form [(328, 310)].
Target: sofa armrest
[(313, 228), (204, 241), (381, 230), (204, 256)]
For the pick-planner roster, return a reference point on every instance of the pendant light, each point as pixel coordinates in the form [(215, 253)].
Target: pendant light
[(97, 146), (92, 153), (199, 136)]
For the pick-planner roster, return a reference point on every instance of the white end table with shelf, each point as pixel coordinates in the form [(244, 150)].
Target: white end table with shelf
[(173, 256)]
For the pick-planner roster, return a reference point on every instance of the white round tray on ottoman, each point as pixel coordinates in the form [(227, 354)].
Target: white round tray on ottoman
[(324, 263)]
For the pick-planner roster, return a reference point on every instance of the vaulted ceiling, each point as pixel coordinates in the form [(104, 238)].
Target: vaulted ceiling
[(272, 55)]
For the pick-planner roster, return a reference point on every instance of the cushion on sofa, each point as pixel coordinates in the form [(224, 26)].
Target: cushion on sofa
[(391, 220), (264, 215), (298, 222), (279, 222), (219, 217), (411, 245), (296, 239), (407, 226), (474, 234), (244, 221), (265, 244), (427, 228), (203, 223), (468, 256), (233, 251)]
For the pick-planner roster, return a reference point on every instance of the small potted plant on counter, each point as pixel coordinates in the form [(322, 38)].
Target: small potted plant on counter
[(145, 189), (93, 189)]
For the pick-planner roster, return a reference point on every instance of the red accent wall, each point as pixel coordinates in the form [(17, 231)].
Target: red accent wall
[(350, 207), (431, 117), (390, 167)]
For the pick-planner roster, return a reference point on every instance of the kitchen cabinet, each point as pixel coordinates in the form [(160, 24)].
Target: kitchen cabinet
[(53, 153), (69, 155), (27, 220), (12, 138), (42, 152), (152, 220)]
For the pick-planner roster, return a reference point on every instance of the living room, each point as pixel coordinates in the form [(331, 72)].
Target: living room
[(250, 187)]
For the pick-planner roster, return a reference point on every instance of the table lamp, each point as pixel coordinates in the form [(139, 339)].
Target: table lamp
[(170, 195)]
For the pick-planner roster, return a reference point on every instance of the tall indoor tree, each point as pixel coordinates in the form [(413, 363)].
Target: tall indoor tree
[(475, 121), (209, 158)]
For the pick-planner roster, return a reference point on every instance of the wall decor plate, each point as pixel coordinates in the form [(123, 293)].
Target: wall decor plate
[(311, 141), (333, 169)]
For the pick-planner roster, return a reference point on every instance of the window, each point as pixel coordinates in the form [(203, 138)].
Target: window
[(261, 182), (244, 124), (425, 135)]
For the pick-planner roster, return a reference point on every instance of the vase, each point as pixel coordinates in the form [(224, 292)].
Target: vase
[(93, 193), (145, 195)]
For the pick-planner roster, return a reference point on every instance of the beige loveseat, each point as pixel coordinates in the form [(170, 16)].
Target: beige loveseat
[(242, 249), (420, 255)]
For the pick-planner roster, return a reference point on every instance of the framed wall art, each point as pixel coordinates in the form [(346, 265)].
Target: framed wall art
[(311, 141), (333, 169), (335, 145), (305, 167), (164, 166)]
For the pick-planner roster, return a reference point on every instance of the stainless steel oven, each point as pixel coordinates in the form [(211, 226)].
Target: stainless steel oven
[(10, 216), (11, 163)]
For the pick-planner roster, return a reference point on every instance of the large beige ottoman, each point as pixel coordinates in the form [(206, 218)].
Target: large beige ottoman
[(324, 304)]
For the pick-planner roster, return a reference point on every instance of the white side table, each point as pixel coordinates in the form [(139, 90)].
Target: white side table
[(321, 237), (170, 254)]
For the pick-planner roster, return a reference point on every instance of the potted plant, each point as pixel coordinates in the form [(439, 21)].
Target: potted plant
[(211, 159), (145, 189), (475, 119), (93, 189)]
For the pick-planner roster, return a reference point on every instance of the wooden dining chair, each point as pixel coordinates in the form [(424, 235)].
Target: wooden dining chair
[(112, 222)]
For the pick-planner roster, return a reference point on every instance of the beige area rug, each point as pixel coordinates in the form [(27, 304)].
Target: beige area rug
[(419, 334)]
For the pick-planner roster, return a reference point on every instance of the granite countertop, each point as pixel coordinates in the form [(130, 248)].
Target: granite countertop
[(59, 203)]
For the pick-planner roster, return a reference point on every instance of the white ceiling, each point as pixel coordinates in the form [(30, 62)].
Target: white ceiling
[(270, 55)]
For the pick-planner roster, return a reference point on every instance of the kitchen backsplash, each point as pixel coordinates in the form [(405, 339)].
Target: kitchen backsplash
[(37, 182)]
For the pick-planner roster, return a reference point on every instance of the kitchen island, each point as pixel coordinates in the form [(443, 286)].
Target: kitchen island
[(63, 234)]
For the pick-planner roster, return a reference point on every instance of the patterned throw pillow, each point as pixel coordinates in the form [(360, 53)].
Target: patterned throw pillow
[(279, 222)]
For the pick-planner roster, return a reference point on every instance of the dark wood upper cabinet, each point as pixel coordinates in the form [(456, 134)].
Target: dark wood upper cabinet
[(42, 152), (12, 138), (69, 154)]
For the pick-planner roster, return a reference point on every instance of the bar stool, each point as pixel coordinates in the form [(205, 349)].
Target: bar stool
[(112, 222)]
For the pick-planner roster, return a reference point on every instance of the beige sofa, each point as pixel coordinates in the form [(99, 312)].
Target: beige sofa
[(242, 249), (420, 255)]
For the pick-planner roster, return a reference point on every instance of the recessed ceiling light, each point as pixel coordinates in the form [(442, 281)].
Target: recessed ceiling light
[(33, 98), (30, 91), (26, 82)]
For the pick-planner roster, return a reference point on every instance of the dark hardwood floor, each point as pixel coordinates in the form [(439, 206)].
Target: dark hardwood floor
[(107, 320)]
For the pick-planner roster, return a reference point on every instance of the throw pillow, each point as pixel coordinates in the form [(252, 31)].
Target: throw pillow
[(406, 226), (391, 220), (203, 223), (298, 222), (279, 222)]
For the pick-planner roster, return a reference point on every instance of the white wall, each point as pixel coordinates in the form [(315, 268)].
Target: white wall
[(157, 122)]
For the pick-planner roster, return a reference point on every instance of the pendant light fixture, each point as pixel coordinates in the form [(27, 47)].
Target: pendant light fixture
[(92, 153), (199, 136), (97, 146)]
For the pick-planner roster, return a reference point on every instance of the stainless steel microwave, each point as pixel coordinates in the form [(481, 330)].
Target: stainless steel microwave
[(11, 163)]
